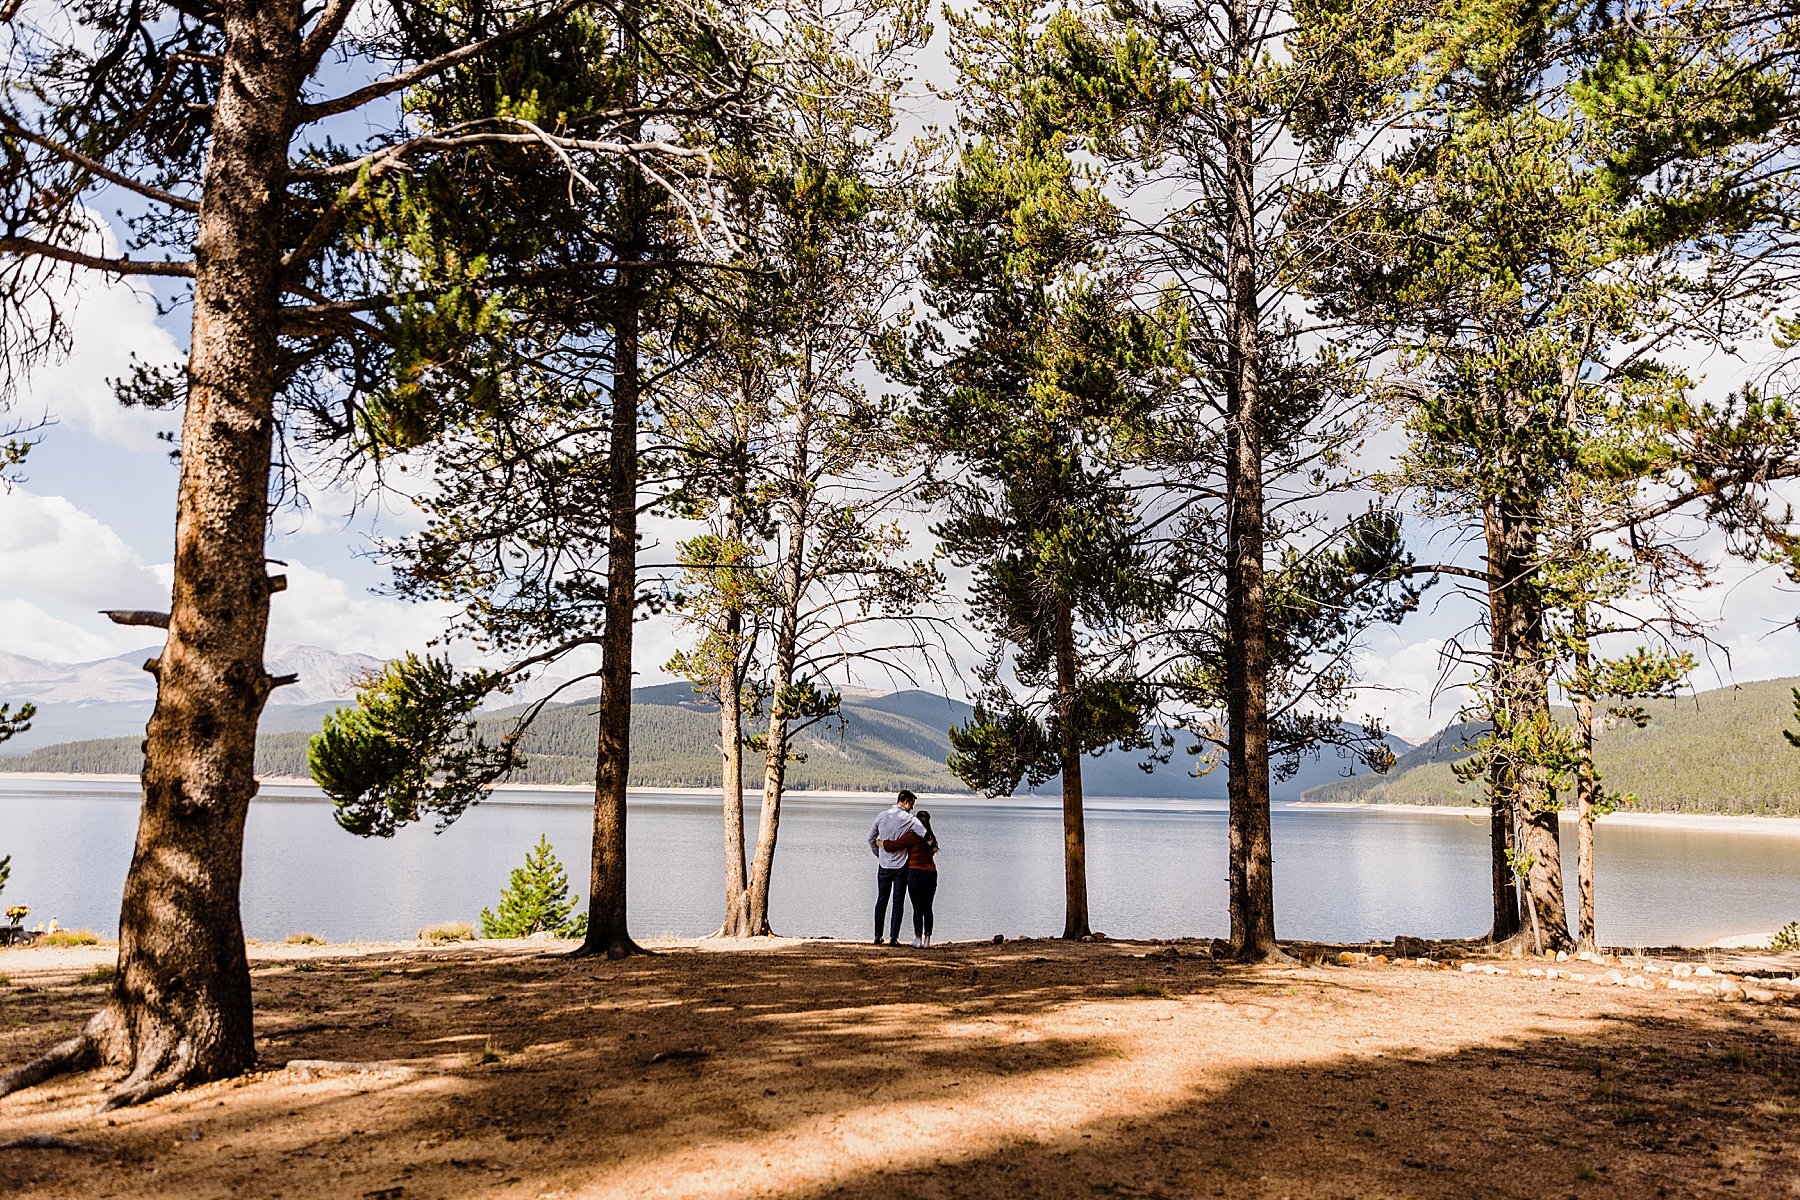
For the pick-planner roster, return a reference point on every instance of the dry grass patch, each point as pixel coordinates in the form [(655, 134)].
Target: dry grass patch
[(69, 937)]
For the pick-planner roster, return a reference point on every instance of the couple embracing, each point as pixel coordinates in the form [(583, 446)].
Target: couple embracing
[(905, 852)]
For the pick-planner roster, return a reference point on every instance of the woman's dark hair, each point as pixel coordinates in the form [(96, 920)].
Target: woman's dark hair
[(924, 818)]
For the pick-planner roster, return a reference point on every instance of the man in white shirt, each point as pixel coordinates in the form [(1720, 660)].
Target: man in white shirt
[(890, 865)]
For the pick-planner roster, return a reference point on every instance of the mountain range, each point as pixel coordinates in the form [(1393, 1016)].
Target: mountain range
[(91, 720)]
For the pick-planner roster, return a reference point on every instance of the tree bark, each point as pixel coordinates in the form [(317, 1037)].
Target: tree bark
[(731, 717), (1587, 781), (1502, 794), (179, 1012), (731, 786), (781, 676), (1075, 896), (608, 932), (1525, 700), (1252, 869)]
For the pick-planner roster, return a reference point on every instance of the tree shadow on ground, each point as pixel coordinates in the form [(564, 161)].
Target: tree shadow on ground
[(1024, 1070)]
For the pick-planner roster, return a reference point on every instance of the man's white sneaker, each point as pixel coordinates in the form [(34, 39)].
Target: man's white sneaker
[(928, 941), (918, 943)]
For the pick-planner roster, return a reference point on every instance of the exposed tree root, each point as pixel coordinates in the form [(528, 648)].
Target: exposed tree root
[(79, 1053), (157, 1068), (161, 1069), (1263, 956), (1524, 944), (619, 947), (141, 1092), (49, 1141)]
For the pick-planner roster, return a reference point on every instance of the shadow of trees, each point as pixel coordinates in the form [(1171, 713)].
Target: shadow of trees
[(1024, 1070)]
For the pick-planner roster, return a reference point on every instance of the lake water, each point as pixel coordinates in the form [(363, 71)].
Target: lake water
[(1155, 868)]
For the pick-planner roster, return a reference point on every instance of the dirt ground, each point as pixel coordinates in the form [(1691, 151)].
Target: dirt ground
[(1034, 1068)]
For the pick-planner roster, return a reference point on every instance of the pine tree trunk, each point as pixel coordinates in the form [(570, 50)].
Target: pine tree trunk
[(1525, 692), (768, 827), (1246, 610), (1075, 897), (731, 785), (781, 675), (179, 1012), (608, 932), (1502, 794), (1587, 781), (792, 586)]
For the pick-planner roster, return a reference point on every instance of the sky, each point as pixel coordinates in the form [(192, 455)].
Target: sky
[(89, 525)]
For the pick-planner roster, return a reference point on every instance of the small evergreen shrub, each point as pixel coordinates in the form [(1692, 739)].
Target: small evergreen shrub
[(1787, 937), (537, 900)]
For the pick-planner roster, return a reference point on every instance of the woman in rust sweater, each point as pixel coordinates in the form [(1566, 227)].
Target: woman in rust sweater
[(921, 874)]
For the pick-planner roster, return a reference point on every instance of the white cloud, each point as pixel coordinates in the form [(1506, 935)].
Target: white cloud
[(318, 609), (110, 322), (28, 630), (56, 555), (1401, 679)]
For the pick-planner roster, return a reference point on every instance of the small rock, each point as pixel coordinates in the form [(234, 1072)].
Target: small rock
[(1613, 977), (1535, 972), (1378, 958), (1760, 996), (1681, 970), (1705, 970), (1588, 956), (1562, 956), (1087, 937), (1470, 968), (1731, 992), (1551, 973), (998, 938)]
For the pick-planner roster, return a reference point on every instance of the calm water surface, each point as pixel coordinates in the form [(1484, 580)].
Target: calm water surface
[(1155, 868)]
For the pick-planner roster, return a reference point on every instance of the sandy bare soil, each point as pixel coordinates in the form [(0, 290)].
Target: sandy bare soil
[(808, 1069)]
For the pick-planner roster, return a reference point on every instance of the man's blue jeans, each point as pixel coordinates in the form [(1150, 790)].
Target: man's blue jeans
[(889, 881)]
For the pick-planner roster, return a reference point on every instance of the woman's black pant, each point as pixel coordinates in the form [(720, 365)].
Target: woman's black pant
[(922, 887)]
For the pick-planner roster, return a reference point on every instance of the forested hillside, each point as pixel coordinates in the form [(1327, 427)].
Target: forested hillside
[(880, 744), (674, 746), (1716, 752)]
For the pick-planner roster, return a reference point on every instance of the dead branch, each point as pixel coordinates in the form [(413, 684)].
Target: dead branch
[(136, 616)]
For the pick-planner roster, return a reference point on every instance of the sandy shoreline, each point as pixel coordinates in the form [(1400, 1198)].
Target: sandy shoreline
[(1706, 822)]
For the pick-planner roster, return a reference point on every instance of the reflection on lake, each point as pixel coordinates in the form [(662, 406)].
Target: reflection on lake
[(1155, 868)]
